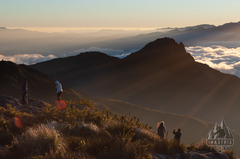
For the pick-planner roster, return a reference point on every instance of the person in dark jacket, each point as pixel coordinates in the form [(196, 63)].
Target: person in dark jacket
[(178, 135), (24, 91), (161, 129)]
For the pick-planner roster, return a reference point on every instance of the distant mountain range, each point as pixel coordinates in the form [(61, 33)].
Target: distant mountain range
[(227, 35), (161, 76), (17, 41)]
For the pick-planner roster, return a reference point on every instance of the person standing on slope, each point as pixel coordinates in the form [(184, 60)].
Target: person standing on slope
[(178, 135), (161, 129), (59, 90), (24, 91)]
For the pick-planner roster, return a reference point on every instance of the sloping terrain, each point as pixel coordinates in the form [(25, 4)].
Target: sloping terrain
[(193, 129), (40, 86), (161, 76)]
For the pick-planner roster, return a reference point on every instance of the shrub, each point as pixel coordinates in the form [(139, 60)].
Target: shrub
[(230, 154), (85, 130), (3, 123), (6, 137), (127, 150), (161, 146), (144, 134), (75, 143), (39, 141), (192, 147), (166, 146), (202, 146)]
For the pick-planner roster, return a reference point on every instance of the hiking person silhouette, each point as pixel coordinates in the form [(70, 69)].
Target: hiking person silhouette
[(24, 91), (59, 90), (161, 129), (178, 135)]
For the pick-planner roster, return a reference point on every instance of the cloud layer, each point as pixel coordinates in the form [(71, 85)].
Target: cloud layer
[(27, 58), (226, 60)]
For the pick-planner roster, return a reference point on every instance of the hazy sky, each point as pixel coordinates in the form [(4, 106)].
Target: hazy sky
[(117, 14)]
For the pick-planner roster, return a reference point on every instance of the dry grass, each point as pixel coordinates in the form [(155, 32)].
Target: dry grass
[(39, 140), (87, 133), (230, 154)]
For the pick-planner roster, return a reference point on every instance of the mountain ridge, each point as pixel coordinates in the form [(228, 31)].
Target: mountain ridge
[(172, 83)]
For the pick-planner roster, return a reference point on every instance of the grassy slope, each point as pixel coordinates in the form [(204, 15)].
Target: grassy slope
[(193, 129)]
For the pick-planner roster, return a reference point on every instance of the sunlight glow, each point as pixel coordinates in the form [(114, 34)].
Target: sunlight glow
[(64, 29)]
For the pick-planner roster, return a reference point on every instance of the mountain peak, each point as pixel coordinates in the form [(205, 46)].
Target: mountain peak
[(164, 48), (160, 43)]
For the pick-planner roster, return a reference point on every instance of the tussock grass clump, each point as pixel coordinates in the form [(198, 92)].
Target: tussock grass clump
[(165, 146), (230, 154), (121, 148), (144, 134), (39, 141), (6, 137), (108, 146), (200, 146), (82, 130)]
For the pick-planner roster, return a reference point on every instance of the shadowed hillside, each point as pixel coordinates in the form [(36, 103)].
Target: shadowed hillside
[(40, 86), (161, 76)]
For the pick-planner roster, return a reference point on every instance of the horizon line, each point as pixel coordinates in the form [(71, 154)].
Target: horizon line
[(65, 29)]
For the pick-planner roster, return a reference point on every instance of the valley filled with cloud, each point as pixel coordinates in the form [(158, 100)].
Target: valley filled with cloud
[(226, 60)]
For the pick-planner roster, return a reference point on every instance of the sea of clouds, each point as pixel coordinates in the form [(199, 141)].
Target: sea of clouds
[(226, 60), (29, 59)]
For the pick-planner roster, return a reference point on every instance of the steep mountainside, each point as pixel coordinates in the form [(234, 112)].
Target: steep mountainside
[(161, 76), (40, 86)]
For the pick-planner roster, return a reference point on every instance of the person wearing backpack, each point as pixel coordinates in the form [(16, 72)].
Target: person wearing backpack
[(161, 129), (59, 90)]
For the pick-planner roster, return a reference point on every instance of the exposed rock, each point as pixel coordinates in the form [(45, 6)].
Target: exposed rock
[(33, 106)]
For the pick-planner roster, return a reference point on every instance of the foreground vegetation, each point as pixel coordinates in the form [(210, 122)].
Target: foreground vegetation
[(87, 133)]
